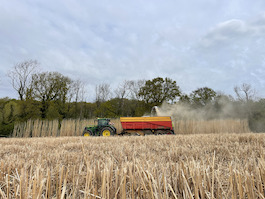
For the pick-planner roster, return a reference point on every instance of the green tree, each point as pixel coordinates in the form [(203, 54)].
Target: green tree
[(47, 87), (107, 109), (53, 112), (158, 90), (8, 115), (88, 110), (112, 108), (257, 116), (10, 111), (185, 99), (202, 97), (29, 109)]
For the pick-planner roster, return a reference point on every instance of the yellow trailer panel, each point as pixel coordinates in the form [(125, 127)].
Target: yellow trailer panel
[(145, 119)]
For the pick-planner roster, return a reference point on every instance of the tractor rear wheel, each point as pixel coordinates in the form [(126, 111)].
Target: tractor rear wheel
[(87, 133), (106, 131)]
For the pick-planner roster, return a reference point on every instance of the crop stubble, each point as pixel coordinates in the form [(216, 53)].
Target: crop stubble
[(169, 166)]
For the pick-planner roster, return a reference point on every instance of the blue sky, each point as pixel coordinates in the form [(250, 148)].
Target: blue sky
[(219, 44)]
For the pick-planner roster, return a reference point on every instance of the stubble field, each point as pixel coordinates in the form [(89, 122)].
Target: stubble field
[(167, 166)]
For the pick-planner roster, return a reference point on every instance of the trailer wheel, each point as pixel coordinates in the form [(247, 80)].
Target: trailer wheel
[(170, 132), (159, 132), (148, 132), (106, 131)]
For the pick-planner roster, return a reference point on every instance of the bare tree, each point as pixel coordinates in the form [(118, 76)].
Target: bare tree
[(135, 87), (76, 91), (76, 94), (103, 92), (20, 76), (123, 90), (82, 92), (245, 92)]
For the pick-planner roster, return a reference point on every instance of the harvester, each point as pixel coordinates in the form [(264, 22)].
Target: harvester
[(131, 126)]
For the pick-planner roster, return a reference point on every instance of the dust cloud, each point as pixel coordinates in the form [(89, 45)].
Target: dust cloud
[(222, 110)]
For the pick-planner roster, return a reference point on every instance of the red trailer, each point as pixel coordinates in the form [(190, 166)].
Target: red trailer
[(147, 125)]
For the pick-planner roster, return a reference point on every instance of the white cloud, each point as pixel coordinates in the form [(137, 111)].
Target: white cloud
[(235, 47), (226, 31), (99, 41), (232, 31)]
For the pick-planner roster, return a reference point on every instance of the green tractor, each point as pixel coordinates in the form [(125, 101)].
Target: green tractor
[(103, 128)]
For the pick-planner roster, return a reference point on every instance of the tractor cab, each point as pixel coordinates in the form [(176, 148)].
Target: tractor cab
[(102, 127), (103, 121)]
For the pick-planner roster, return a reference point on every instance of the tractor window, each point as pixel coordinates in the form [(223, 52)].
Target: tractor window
[(103, 122)]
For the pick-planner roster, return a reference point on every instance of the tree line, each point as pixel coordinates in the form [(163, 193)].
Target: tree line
[(51, 95)]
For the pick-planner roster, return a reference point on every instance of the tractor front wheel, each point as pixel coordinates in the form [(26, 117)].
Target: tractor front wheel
[(87, 133), (106, 131)]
